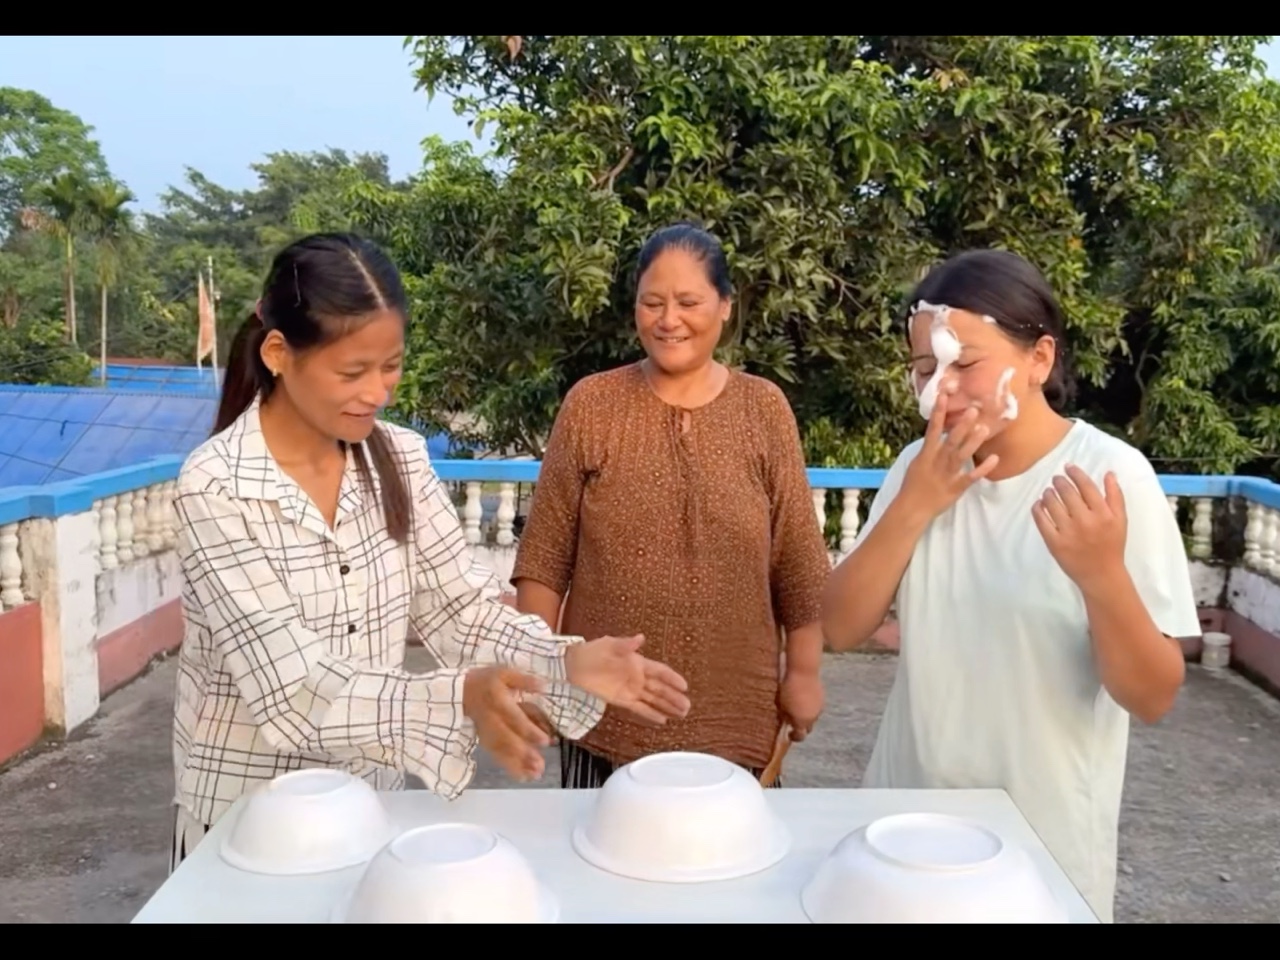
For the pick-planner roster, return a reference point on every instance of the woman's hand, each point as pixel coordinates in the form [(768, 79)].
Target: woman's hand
[(937, 478), (1084, 530), (613, 670), (800, 701), (491, 699)]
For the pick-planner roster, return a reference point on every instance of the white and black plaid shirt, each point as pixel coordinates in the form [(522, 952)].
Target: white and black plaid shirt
[(295, 634)]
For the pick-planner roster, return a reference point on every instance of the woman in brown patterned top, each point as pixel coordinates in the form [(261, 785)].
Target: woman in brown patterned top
[(673, 502)]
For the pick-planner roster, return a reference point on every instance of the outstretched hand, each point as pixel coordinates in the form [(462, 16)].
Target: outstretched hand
[(613, 669)]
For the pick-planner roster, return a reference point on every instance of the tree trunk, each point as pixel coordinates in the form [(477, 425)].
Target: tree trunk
[(103, 371), (71, 289), (12, 308)]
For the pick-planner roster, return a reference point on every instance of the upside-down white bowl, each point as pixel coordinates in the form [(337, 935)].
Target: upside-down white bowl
[(682, 818), (928, 868), (449, 873), (308, 821)]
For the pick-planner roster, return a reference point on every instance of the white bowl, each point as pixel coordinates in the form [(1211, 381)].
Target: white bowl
[(449, 873), (682, 818), (928, 868), (308, 821)]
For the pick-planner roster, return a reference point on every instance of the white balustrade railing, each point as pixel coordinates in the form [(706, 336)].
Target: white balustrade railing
[(135, 524), (1195, 513), (140, 522)]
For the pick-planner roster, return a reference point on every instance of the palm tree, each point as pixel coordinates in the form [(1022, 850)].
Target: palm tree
[(66, 197), (111, 227)]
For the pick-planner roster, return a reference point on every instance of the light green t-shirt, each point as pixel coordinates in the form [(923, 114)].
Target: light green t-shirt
[(996, 684)]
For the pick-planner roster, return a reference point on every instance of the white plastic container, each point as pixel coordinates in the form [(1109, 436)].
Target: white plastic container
[(308, 821), (682, 818), (928, 868), (1216, 652), (449, 873)]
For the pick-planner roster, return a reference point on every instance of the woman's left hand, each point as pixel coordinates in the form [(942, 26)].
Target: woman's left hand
[(1084, 530), (612, 669)]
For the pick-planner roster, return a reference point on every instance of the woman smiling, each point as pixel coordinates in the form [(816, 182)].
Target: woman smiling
[(673, 503)]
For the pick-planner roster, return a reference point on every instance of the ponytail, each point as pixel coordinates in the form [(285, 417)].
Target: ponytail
[(246, 374)]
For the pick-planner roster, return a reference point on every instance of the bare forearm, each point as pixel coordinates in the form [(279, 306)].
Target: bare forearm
[(539, 600), (861, 589), (804, 649), (1139, 666)]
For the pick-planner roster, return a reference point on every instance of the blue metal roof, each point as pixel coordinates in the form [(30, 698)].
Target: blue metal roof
[(188, 381), (49, 434)]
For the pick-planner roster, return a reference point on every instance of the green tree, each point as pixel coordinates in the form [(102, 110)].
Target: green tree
[(111, 228), (36, 351), (69, 219), (1140, 173), (39, 142)]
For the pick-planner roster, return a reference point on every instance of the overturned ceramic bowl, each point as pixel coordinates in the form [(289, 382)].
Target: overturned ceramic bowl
[(928, 868), (449, 873), (682, 818), (308, 821)]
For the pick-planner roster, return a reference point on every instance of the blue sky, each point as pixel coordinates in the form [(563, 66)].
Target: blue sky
[(159, 104)]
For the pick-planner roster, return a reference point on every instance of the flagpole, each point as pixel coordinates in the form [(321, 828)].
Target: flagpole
[(199, 284), (213, 315)]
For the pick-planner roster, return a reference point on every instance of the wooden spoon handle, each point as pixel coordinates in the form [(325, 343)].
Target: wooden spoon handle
[(779, 752)]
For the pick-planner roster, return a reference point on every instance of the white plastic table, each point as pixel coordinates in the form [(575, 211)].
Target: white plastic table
[(205, 889)]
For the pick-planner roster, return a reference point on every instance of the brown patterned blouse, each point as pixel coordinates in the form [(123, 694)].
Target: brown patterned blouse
[(704, 540)]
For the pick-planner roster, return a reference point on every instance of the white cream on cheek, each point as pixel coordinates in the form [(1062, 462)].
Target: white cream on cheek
[(1010, 411), (946, 351)]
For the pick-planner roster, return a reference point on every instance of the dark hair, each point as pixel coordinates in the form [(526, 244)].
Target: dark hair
[(697, 242), (315, 288), (1012, 292)]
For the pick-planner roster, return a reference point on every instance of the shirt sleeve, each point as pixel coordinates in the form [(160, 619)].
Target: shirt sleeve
[(548, 546), (1155, 554), (304, 699), (458, 613), (799, 560)]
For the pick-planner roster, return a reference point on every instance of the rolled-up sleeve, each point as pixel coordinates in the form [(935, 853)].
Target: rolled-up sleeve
[(458, 614), (303, 698)]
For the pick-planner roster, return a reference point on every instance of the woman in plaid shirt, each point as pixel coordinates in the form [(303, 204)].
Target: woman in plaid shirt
[(315, 540)]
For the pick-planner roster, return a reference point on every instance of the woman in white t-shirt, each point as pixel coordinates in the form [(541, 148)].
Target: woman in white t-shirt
[(1038, 573)]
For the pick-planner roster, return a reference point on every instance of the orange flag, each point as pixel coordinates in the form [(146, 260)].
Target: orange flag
[(204, 340)]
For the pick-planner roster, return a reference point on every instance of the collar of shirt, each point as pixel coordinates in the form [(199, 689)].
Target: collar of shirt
[(255, 475)]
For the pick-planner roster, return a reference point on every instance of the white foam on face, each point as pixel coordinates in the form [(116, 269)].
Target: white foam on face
[(946, 350), (1010, 411)]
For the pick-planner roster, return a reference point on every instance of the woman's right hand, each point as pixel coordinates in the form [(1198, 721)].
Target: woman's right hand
[(937, 478), (491, 699)]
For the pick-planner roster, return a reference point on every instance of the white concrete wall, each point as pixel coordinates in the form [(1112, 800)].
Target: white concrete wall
[(129, 593), (501, 560), (1256, 598), (1209, 581), (60, 558)]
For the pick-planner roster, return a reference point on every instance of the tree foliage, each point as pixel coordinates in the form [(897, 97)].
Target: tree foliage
[(1139, 173)]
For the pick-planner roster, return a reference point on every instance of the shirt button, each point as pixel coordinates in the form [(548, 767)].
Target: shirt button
[(344, 569), (351, 628)]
